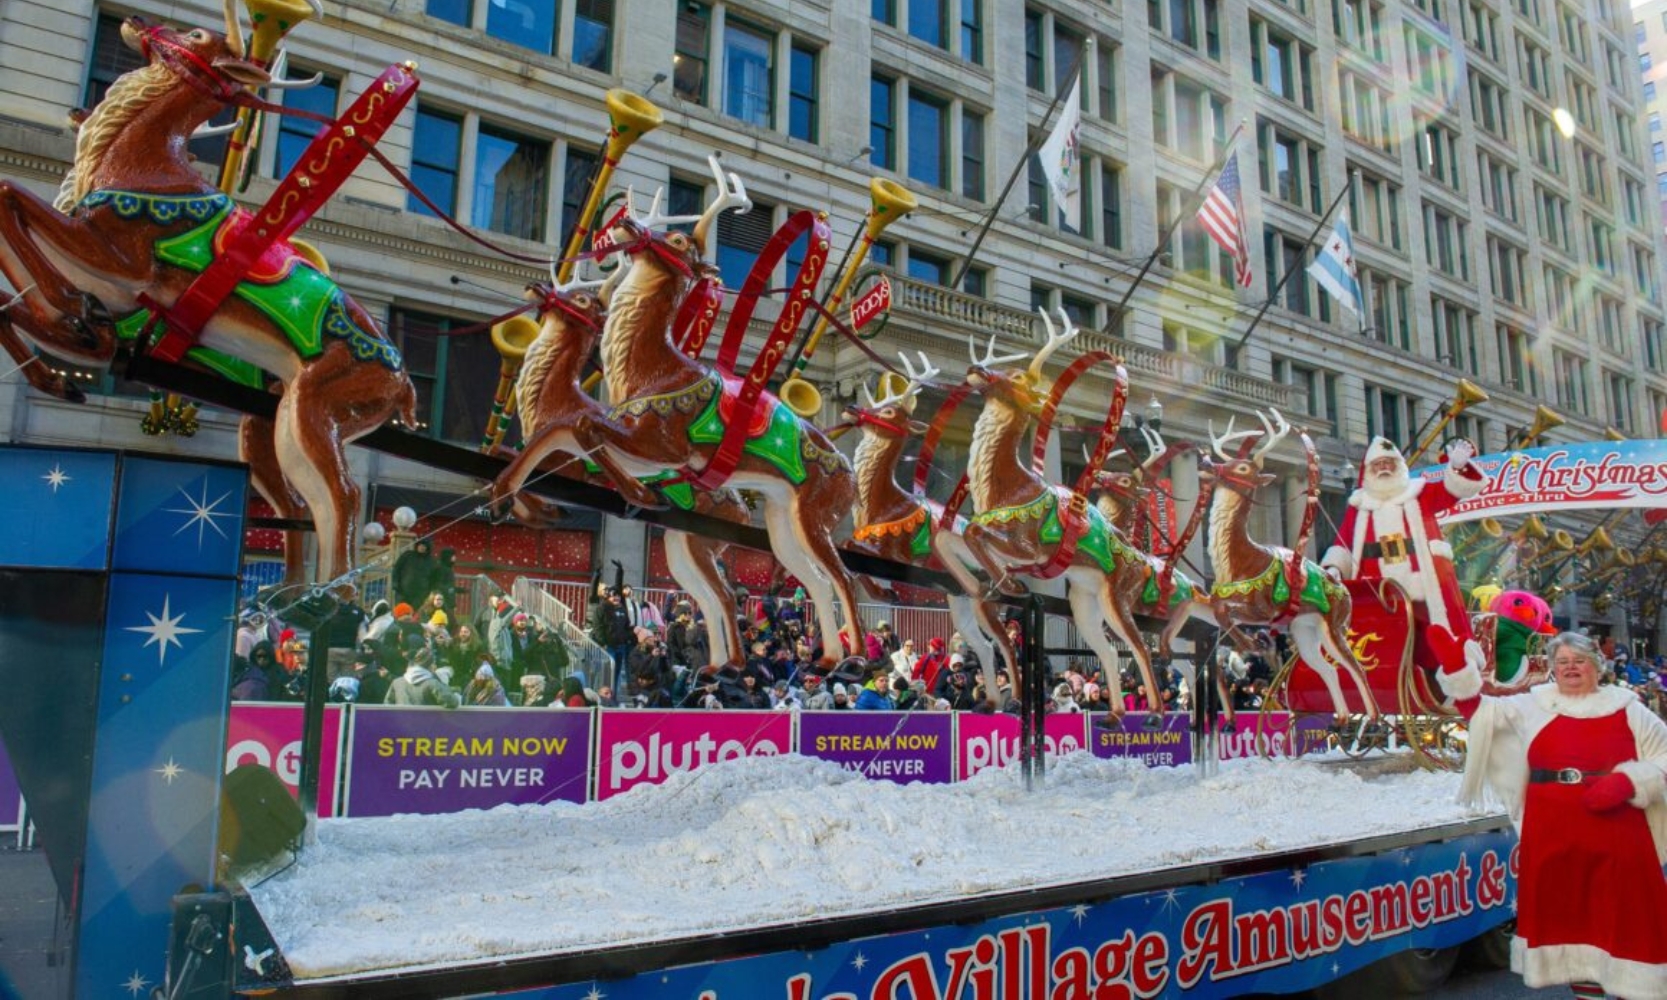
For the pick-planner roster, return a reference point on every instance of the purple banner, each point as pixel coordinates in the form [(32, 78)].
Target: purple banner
[(1164, 745), (900, 746), (435, 760), (10, 794)]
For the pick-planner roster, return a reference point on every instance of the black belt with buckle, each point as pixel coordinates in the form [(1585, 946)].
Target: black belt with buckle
[(1562, 776)]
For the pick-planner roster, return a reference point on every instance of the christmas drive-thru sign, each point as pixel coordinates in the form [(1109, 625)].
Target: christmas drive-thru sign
[(1596, 474)]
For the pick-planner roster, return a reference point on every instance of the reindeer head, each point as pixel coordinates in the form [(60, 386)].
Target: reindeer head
[(214, 65), (1128, 486), (889, 416), (579, 302), (1242, 472), (682, 252), (1025, 391)]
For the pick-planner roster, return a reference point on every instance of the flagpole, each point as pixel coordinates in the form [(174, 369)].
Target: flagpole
[(1283, 278), (1360, 300), (1020, 167), (1188, 211)]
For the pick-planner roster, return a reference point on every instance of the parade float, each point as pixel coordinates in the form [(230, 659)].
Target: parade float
[(144, 264)]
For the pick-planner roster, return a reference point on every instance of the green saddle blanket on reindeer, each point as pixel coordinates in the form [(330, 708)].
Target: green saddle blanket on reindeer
[(299, 299)]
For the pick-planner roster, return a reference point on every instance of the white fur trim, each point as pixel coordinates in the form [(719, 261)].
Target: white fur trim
[(1342, 559), (1606, 700), (1365, 501), (1550, 965), (1460, 684), (1649, 784), (1464, 482)]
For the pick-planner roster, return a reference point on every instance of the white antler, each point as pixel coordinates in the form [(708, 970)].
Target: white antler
[(1219, 444), (281, 82), (731, 194), (1273, 433), (1154, 447), (207, 131), (990, 359), (234, 30), (1056, 340), (917, 380), (654, 221)]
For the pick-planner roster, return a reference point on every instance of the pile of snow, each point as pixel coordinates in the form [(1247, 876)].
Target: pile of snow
[(765, 841)]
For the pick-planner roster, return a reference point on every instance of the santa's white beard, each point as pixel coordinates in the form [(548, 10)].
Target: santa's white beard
[(1382, 487)]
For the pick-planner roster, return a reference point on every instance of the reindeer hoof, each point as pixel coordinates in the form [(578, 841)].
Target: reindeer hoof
[(1152, 722)]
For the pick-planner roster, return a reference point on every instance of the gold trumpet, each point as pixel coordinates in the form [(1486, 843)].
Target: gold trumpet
[(888, 202), (1532, 528), (273, 20), (1467, 394), (1545, 418), (512, 337), (1486, 528), (1598, 540), (630, 117)]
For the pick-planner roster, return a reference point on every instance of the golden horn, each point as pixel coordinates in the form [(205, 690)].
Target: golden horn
[(1601, 603), (1545, 418), (1533, 528), (1465, 395), (511, 337), (1561, 539), (272, 20), (801, 397), (1553, 593), (888, 201), (1611, 434), (1491, 527), (893, 384), (1598, 539)]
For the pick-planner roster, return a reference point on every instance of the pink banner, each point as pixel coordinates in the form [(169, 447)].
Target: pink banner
[(1257, 735), (270, 735), (993, 740), (645, 748)]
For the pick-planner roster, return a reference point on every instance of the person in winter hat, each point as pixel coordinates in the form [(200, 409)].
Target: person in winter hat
[(1391, 533), (484, 688)]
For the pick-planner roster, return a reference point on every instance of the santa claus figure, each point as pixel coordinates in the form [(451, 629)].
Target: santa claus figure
[(1390, 533)]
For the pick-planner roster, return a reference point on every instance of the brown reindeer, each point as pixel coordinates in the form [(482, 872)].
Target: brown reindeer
[(550, 399), (133, 224), (1020, 520), (902, 526), (1121, 496), (668, 411), (1257, 584)]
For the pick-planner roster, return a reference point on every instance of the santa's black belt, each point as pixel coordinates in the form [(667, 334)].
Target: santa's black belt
[(1395, 551), (1562, 776)]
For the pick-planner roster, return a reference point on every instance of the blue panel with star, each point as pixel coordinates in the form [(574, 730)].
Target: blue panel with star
[(180, 517), (55, 507), (153, 819)]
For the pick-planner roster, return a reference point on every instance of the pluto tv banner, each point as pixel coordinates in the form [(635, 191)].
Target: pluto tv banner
[(1277, 932)]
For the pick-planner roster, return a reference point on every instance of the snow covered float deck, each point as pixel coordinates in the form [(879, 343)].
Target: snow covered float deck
[(793, 877)]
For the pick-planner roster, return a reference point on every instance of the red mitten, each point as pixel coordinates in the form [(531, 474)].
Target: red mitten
[(1607, 792), (1447, 648)]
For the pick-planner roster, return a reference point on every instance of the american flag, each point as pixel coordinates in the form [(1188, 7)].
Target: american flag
[(1222, 216)]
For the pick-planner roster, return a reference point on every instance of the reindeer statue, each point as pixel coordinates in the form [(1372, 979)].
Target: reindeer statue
[(1272, 585), (550, 399), (1025, 526), (669, 413), (134, 226), (905, 527)]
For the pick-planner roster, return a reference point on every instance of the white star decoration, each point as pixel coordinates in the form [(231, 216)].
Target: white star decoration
[(594, 994), (170, 771), (163, 630), (201, 513), (135, 984), (1079, 913), (256, 961), (1298, 876), (1171, 899), (860, 961), (56, 476)]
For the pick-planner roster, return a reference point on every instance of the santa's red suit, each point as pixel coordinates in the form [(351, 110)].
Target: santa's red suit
[(1590, 890), (1390, 533)]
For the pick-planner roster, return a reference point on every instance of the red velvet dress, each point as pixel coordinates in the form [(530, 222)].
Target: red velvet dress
[(1588, 878)]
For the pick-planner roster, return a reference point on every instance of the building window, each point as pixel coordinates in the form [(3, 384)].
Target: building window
[(1620, 400), (1388, 414), (1649, 91), (1105, 78), (1111, 205), (1551, 215), (972, 154), (748, 76), (1544, 141), (1601, 236), (1488, 106), (295, 134), (884, 11), (1593, 179), (1507, 271), (575, 185), (1438, 154), (1644, 278), (930, 267), (689, 60), (1375, 209), (1187, 117), (972, 31), (1358, 25), (436, 151), (1570, 370), (1455, 335), (1609, 323), (1282, 64), (928, 139), (1287, 254), (1365, 110), (1389, 306), (1192, 251), (1445, 238), (511, 174), (447, 372), (1481, 29), (1560, 302), (111, 58), (1429, 63), (1081, 310), (1516, 360), (926, 22), (882, 122), (1319, 387), (593, 33), (1655, 344), (1204, 346), (1534, 64), (1193, 23), (740, 240), (529, 25), (455, 11), (1499, 186), (1289, 167), (1035, 70), (802, 94)]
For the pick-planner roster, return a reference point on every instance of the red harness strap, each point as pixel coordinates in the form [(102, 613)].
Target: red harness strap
[(698, 314), (1073, 524), (728, 454), (328, 161), (929, 447)]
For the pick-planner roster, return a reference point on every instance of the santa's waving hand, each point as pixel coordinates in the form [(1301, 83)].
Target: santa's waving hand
[(1390, 533)]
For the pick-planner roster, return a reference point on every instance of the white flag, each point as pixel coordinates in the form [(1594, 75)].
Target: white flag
[(1334, 268), (1060, 158)]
